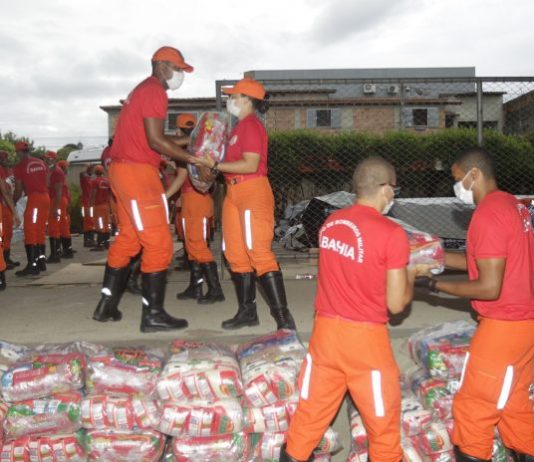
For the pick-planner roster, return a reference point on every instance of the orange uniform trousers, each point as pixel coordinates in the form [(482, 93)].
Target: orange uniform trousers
[(348, 356), (113, 209), (494, 390), (102, 218), (248, 226), (3, 265), (35, 218), (55, 222), (64, 221), (7, 227), (87, 215), (143, 217), (197, 211)]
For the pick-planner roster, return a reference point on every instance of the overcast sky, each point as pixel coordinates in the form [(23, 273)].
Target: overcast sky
[(62, 59)]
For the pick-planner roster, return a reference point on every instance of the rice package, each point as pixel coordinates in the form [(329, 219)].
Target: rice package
[(227, 448), (53, 448)]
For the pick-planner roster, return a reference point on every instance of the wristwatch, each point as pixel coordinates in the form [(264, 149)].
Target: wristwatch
[(427, 283)]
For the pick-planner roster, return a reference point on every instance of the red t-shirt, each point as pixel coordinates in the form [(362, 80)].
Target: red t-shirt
[(56, 176), (66, 192), (33, 173), (357, 246), (101, 185), (105, 158), (147, 101), (249, 135), (85, 185), (501, 227)]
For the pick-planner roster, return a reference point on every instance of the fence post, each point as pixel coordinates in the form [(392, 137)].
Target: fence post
[(480, 116)]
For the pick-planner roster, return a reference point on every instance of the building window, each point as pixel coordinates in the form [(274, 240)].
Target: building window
[(487, 125), (324, 118), (420, 117), (449, 120)]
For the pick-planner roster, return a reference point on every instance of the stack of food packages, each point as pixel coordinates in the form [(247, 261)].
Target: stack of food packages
[(428, 389), (270, 366), (42, 394), (120, 411), (199, 391)]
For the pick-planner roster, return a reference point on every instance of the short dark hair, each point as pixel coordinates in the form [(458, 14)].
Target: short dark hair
[(370, 174), (477, 158), (260, 105)]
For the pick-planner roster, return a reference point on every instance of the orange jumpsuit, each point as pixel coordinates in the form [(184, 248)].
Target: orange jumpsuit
[(57, 176), (7, 215), (87, 212)]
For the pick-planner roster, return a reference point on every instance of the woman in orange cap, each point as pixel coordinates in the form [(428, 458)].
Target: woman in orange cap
[(196, 214), (248, 210)]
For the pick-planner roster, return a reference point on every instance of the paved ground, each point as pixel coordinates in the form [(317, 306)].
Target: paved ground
[(57, 307)]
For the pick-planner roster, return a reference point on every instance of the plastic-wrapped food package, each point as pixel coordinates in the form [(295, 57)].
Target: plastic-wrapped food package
[(11, 353), (270, 366), (119, 412), (411, 454), (269, 419), (58, 414), (79, 346), (227, 448), (60, 448), (209, 137), (124, 446), (201, 419), (43, 375), (441, 349), (200, 371), (432, 390), (362, 456), (433, 439), (124, 371), (358, 433)]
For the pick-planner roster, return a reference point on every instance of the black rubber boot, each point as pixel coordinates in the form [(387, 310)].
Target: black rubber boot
[(31, 269), (105, 240), (99, 245), (285, 457), (154, 317), (247, 315), (2, 280), (54, 251), (194, 289), (214, 293), (520, 457), (112, 290), (461, 457), (66, 251), (88, 240), (272, 284), (10, 263), (132, 285), (41, 257), (182, 262)]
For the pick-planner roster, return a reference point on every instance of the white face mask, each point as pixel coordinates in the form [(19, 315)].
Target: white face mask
[(465, 195), (233, 108), (176, 80), (388, 207)]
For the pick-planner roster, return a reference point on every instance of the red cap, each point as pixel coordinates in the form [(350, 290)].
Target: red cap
[(247, 86), (173, 56), (21, 146), (99, 169), (186, 120), (63, 164), (50, 155), (4, 155)]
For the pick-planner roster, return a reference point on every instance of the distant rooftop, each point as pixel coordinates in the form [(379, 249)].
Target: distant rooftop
[(378, 73)]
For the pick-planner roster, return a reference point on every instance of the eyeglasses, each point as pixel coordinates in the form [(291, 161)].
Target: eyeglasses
[(396, 189)]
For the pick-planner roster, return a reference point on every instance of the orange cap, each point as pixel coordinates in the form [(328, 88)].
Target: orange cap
[(63, 164), (186, 120), (22, 146), (173, 56), (247, 86), (99, 169), (50, 155)]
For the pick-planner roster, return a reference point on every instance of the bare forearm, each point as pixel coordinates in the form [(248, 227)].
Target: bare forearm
[(456, 260), (165, 145), (7, 198), (177, 183), (476, 289), (240, 167)]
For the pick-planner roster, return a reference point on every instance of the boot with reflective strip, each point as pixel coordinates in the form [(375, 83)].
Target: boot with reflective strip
[(154, 317), (66, 251), (10, 263), (31, 269), (247, 314), (215, 292), (112, 290), (2, 280), (194, 289), (272, 284), (461, 457), (520, 457), (41, 257), (54, 251)]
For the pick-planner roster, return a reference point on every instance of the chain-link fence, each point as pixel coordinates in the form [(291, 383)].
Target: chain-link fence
[(320, 128)]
